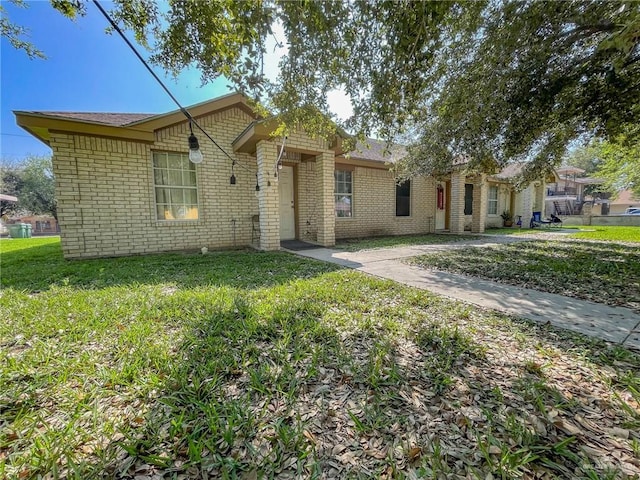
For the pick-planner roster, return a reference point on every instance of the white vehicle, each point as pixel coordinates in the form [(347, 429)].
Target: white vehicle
[(632, 211)]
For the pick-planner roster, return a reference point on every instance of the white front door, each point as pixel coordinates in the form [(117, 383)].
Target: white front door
[(441, 196), (287, 207)]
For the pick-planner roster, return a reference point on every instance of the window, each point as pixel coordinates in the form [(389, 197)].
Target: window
[(492, 201), (403, 199), (344, 193), (468, 198), (174, 177)]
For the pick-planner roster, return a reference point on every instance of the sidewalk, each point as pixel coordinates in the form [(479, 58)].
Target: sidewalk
[(614, 324)]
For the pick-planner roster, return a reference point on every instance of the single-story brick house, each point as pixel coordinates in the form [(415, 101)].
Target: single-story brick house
[(125, 185)]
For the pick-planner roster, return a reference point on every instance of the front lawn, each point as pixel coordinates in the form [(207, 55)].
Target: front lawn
[(601, 272), (609, 233), (582, 232), (263, 365), (355, 244)]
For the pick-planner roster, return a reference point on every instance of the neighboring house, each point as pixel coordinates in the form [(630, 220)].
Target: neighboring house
[(4, 217), (125, 185), (624, 200), (39, 223), (8, 198), (569, 191)]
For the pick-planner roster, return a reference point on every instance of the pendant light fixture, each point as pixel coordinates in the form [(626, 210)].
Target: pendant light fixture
[(232, 180), (195, 155)]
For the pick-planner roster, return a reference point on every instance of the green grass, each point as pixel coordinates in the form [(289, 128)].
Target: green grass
[(609, 233), (602, 233), (355, 244), (601, 272), (263, 365), (37, 264)]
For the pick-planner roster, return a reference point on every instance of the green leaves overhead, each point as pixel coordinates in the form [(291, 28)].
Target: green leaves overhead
[(529, 80), (488, 82)]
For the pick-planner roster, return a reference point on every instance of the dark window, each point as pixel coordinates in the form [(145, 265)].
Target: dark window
[(468, 198), (403, 199)]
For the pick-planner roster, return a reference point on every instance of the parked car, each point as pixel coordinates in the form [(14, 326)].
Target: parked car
[(632, 211)]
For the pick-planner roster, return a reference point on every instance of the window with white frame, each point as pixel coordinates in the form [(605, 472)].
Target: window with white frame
[(492, 201), (343, 193), (174, 178)]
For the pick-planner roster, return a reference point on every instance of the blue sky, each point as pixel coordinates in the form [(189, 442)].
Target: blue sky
[(86, 70)]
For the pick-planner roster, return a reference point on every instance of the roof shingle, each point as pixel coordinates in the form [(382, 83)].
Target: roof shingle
[(377, 150), (112, 119)]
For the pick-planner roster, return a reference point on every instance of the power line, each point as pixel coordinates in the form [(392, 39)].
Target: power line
[(16, 135), (175, 100)]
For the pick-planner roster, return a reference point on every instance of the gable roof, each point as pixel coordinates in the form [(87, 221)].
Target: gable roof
[(113, 119), (378, 151), (136, 126), (510, 171)]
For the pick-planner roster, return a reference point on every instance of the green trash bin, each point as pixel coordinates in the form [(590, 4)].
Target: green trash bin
[(27, 230), (16, 230)]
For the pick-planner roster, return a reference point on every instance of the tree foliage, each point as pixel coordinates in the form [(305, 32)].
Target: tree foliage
[(10, 184), (16, 34), (489, 82), (529, 80), (616, 162), (587, 157), (620, 165), (376, 52), (32, 182)]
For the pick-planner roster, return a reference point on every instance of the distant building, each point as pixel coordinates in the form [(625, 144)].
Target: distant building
[(623, 200), (569, 192)]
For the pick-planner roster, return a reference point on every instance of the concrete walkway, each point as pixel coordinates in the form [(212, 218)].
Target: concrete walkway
[(614, 324)]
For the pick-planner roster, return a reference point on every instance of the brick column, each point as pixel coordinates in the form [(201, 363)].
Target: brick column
[(479, 214), (587, 212), (268, 198), (325, 185), (528, 207), (539, 197), (456, 224), (430, 203)]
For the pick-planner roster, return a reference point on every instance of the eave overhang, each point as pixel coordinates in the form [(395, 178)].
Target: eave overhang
[(263, 129), (41, 126)]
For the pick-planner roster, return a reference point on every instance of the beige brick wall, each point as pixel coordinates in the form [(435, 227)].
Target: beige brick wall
[(374, 206), (107, 201), (458, 218), (106, 194)]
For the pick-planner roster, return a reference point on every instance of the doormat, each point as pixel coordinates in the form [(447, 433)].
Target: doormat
[(296, 245)]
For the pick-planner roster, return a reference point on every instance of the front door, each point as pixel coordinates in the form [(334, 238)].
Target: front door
[(440, 206), (287, 206)]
